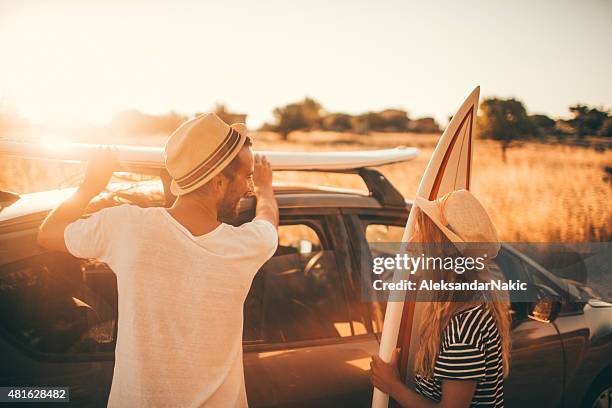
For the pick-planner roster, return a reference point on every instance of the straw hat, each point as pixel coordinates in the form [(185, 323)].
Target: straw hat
[(199, 149), (464, 221)]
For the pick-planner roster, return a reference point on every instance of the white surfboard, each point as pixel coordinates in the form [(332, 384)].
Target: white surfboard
[(449, 169), (152, 158)]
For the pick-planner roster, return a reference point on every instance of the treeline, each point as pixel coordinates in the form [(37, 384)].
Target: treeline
[(132, 122), (137, 123), (502, 119), (10, 121), (304, 115), (308, 114), (506, 120)]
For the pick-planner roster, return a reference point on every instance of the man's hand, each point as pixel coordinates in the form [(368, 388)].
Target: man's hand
[(99, 171), (266, 209), (262, 176)]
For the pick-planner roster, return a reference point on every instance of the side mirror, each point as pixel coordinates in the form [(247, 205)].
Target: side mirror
[(547, 307)]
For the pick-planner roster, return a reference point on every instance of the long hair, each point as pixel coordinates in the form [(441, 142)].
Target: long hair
[(445, 304)]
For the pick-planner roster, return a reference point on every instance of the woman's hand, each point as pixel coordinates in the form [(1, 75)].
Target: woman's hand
[(385, 376)]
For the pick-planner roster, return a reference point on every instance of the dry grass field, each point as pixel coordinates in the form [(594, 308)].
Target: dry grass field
[(543, 193)]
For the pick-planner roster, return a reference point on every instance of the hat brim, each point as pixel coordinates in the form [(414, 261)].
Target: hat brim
[(432, 210), (176, 190)]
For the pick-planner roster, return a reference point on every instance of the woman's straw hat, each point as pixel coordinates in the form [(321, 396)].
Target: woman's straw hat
[(199, 149), (464, 221)]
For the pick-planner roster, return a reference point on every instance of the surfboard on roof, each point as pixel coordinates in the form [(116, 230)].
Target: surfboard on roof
[(152, 158)]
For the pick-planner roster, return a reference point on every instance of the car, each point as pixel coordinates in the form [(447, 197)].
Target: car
[(308, 332)]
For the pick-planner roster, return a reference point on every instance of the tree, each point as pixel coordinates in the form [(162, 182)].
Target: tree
[(587, 121), (135, 122), (10, 120), (227, 116), (505, 120), (563, 128), (394, 120), (388, 120), (606, 128), (367, 122), (424, 125), (338, 122), (543, 124), (296, 116)]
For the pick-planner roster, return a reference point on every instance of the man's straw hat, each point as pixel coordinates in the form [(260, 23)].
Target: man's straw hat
[(464, 221), (199, 149)]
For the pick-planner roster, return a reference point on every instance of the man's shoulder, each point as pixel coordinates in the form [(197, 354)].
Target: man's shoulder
[(122, 211), (259, 231), (259, 224), (127, 208)]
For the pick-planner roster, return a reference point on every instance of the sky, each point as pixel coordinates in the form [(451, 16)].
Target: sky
[(67, 61)]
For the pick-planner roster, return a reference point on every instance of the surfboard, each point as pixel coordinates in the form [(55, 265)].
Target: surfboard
[(135, 158), (450, 168)]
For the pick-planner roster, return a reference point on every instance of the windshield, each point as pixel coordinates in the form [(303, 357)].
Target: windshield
[(127, 188), (585, 265)]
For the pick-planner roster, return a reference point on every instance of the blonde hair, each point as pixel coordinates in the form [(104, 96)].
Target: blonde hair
[(447, 303)]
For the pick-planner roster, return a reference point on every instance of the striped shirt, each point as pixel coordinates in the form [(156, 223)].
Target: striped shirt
[(470, 350)]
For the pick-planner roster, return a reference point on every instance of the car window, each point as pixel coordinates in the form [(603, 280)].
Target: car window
[(147, 192), (297, 295), (381, 231), (54, 304), (511, 267)]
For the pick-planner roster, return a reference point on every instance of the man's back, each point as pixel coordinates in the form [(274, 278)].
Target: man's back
[(180, 303), (180, 296)]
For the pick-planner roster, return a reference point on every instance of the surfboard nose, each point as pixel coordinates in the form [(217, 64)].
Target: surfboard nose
[(475, 93)]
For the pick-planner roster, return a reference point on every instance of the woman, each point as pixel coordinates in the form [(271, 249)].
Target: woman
[(464, 347)]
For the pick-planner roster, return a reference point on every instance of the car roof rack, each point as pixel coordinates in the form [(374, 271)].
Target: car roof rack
[(150, 160), (381, 188), (377, 184)]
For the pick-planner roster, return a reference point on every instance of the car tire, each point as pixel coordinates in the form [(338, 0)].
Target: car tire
[(600, 393)]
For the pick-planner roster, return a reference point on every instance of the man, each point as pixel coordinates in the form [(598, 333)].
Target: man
[(182, 276)]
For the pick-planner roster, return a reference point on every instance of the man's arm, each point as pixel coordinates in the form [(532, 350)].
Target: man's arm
[(267, 208), (99, 171)]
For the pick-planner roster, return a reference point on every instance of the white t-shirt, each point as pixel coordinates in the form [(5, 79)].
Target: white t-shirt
[(179, 341)]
